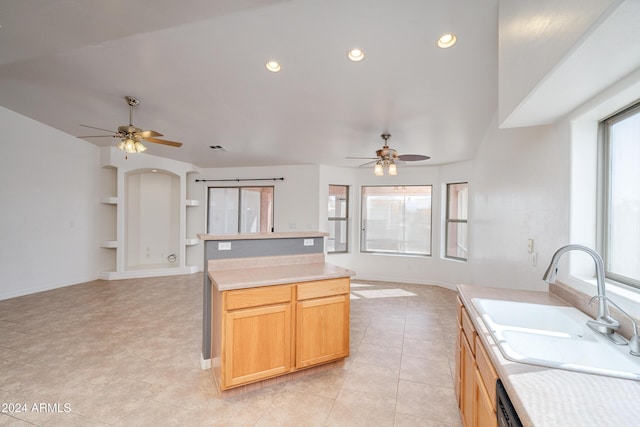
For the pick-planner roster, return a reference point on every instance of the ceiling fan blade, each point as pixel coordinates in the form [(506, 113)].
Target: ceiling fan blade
[(362, 158), (98, 136), (148, 133), (413, 157), (164, 142), (368, 163), (93, 127)]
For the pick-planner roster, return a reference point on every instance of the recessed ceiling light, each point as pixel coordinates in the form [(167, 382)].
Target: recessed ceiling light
[(273, 66), (355, 55), (446, 40)]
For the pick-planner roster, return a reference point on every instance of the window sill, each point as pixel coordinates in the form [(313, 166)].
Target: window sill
[(626, 297)]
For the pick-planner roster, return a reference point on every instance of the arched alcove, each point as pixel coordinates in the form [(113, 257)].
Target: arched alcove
[(152, 219)]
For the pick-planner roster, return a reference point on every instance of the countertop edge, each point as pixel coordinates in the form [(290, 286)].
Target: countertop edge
[(284, 275), (263, 236)]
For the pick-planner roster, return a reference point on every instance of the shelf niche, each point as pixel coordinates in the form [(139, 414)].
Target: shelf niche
[(152, 219), (144, 206)]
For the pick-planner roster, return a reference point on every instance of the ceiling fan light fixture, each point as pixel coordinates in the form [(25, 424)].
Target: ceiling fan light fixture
[(393, 169), (139, 147), (447, 40), (355, 55), (130, 145), (273, 66), (378, 170)]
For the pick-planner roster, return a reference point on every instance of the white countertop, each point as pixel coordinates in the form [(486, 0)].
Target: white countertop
[(553, 397)]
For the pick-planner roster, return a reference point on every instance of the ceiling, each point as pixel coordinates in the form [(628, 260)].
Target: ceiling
[(197, 67)]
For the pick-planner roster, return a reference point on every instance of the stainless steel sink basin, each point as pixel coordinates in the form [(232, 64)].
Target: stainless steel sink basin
[(554, 336)]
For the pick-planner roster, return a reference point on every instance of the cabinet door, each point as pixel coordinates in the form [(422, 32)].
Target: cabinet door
[(322, 330), (458, 376), (256, 344), (484, 413), (467, 380)]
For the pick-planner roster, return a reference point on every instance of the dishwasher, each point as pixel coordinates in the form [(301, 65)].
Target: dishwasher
[(506, 413)]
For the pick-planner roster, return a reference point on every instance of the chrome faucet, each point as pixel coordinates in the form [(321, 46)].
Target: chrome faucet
[(603, 322), (634, 341)]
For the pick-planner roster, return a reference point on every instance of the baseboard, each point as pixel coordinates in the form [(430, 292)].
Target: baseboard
[(47, 287), (152, 272), (204, 363)]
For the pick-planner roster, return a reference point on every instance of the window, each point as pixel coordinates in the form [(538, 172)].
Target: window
[(456, 221), (621, 216), (337, 242), (397, 219), (240, 210)]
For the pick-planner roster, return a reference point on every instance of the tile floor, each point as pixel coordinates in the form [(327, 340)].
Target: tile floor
[(128, 353)]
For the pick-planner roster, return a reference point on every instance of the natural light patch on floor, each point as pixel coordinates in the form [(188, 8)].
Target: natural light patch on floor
[(359, 285)]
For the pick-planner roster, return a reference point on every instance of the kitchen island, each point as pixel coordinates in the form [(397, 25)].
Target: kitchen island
[(276, 315)]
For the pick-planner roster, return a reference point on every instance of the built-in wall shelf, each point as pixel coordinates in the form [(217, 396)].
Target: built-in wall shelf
[(130, 190), (109, 200)]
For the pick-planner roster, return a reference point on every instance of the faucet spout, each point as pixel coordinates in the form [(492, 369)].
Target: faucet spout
[(603, 322)]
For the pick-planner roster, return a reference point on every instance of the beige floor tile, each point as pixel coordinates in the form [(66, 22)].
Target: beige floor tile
[(290, 408), (379, 355), (324, 384), (360, 408), (372, 379), (427, 401), (427, 371), (127, 352), (405, 420), (152, 413), (431, 347)]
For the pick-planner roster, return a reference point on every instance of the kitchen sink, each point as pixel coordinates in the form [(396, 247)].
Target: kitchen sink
[(555, 337)]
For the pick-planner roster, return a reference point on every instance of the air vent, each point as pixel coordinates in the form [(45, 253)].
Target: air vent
[(217, 147)]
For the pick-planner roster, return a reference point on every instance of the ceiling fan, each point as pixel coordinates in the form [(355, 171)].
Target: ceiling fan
[(131, 137), (387, 157)]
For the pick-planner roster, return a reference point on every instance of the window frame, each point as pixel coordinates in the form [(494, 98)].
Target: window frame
[(449, 220), (604, 191), (363, 228), (344, 219), (239, 216)]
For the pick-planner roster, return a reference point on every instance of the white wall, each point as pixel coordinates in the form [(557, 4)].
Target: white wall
[(520, 190), (153, 218), (49, 196)]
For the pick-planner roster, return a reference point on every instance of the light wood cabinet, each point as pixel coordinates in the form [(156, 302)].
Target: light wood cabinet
[(475, 376), (467, 383), (273, 330), (257, 344), (322, 330)]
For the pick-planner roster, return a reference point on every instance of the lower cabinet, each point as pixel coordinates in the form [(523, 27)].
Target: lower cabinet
[(273, 330), (322, 330), (475, 377), (257, 344)]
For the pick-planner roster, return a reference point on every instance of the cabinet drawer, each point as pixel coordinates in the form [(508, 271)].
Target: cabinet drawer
[(323, 288), (469, 330), (487, 372), (255, 297)]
